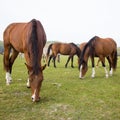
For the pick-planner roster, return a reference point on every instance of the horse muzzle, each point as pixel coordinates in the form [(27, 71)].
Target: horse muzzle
[(35, 100)]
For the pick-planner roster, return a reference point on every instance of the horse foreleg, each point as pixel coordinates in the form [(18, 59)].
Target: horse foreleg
[(106, 72), (58, 58), (72, 62), (67, 61), (93, 72), (93, 67), (98, 62)]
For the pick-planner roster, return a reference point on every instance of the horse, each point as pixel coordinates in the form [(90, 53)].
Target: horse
[(70, 49), (100, 47), (28, 38), (82, 45), (44, 56)]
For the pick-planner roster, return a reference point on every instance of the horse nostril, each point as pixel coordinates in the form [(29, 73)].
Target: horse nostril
[(33, 99)]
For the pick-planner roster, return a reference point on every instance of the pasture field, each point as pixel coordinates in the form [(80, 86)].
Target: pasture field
[(63, 95)]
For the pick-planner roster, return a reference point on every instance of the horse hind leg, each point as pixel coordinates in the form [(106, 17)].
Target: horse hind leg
[(49, 60), (54, 59), (8, 62), (110, 66), (12, 59), (72, 62), (103, 64), (67, 62)]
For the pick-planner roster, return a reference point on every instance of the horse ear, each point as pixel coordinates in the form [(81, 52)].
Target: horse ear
[(43, 67), (28, 67)]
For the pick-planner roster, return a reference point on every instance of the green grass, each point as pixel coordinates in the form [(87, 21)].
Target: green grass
[(63, 95)]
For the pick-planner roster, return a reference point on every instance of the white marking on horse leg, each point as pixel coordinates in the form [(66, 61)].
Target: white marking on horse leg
[(111, 71), (93, 72), (33, 96), (106, 72), (8, 78), (80, 75), (28, 83)]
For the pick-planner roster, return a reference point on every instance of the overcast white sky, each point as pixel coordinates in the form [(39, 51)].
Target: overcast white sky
[(66, 20)]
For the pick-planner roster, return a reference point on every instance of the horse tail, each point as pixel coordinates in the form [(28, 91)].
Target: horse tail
[(34, 46), (114, 60), (48, 50)]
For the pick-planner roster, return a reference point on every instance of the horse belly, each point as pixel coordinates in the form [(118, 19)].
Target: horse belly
[(65, 52)]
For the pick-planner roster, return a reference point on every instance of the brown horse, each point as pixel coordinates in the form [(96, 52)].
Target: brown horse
[(28, 38), (82, 45), (65, 49), (102, 48)]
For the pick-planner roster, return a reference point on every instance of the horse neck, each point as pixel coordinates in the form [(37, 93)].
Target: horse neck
[(85, 55)]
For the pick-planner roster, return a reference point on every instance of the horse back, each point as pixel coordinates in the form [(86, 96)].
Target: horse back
[(18, 35), (105, 46), (63, 48)]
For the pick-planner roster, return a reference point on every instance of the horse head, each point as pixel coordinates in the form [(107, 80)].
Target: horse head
[(83, 69), (35, 81)]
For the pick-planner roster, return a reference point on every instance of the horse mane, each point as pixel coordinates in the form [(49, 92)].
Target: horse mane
[(77, 49), (89, 44), (34, 47)]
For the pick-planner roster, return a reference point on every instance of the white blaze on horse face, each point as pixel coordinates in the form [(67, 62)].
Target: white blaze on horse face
[(80, 75), (8, 78), (93, 72), (106, 72), (33, 96)]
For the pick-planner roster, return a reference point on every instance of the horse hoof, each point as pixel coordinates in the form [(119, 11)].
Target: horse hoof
[(107, 76), (7, 84), (28, 86), (92, 76), (81, 78)]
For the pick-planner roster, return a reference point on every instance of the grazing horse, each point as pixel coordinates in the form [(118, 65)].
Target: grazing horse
[(100, 47), (28, 38), (82, 45), (65, 49)]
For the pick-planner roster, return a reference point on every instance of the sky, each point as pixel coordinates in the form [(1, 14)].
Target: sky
[(66, 20)]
